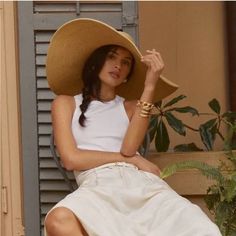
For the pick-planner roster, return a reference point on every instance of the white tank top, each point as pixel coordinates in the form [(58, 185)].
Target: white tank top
[(105, 125)]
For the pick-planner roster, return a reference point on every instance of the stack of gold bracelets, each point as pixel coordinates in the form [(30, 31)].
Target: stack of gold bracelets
[(146, 108)]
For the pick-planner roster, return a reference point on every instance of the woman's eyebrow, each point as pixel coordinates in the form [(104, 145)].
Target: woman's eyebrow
[(115, 52)]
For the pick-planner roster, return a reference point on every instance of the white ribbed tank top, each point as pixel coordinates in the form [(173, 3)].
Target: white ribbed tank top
[(105, 125)]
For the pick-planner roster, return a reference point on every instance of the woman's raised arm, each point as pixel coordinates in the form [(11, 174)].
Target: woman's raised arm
[(138, 124)]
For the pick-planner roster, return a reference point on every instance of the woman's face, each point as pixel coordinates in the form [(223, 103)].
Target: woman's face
[(116, 67)]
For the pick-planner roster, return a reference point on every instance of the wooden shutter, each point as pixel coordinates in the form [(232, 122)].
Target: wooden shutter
[(46, 18)]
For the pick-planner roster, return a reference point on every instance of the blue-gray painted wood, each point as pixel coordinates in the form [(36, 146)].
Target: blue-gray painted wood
[(130, 19), (54, 21), (38, 21), (29, 120)]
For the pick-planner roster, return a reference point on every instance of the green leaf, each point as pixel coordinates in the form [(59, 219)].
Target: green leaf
[(186, 109), (174, 100), (229, 115), (230, 190), (232, 232), (210, 123), (162, 140), (211, 126), (232, 226), (214, 105), (230, 141), (190, 147), (207, 170), (222, 213), (175, 123), (152, 122), (206, 137), (152, 127), (214, 132), (211, 200)]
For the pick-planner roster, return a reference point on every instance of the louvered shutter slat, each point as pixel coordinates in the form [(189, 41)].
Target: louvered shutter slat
[(44, 152), (44, 105), (47, 16), (41, 48), (40, 72)]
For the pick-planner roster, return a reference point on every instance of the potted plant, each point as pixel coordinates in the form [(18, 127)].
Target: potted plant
[(220, 196), (165, 114)]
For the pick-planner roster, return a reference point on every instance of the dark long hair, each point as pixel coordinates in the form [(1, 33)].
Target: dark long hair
[(91, 80)]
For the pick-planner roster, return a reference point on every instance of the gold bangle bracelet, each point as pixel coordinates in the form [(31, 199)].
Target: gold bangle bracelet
[(144, 116), (144, 113), (145, 105), (146, 108)]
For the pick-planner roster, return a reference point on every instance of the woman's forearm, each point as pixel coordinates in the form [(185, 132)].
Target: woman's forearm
[(137, 127), (86, 159)]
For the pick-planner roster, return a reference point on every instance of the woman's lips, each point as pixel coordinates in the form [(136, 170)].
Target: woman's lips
[(114, 74)]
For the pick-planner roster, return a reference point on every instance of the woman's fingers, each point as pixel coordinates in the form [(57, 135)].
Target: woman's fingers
[(155, 57), (150, 63), (155, 65), (148, 166), (157, 54)]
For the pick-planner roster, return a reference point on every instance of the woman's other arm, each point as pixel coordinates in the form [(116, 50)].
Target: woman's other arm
[(73, 158)]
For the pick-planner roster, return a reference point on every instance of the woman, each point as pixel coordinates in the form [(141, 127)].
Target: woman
[(98, 133)]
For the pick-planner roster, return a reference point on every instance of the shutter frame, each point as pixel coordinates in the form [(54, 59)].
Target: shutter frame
[(38, 21)]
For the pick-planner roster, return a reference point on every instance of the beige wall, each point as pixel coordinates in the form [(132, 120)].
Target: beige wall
[(10, 179), (191, 38), (1, 167)]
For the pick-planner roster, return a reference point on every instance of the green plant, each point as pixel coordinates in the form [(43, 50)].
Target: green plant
[(166, 116), (221, 196)]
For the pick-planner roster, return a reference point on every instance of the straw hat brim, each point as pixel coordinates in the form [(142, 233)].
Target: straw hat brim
[(72, 44)]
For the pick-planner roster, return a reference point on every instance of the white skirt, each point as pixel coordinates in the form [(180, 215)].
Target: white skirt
[(117, 199)]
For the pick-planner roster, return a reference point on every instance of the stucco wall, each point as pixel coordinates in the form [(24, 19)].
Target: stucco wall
[(191, 38)]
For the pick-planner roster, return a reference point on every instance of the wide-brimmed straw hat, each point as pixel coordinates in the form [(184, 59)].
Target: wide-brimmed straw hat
[(73, 43)]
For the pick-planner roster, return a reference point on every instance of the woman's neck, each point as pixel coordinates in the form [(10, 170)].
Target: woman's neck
[(107, 98), (107, 94)]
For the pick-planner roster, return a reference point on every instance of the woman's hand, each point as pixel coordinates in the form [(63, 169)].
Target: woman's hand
[(155, 65), (145, 165)]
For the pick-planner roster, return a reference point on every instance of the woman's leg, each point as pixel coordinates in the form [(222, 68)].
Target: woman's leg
[(62, 222)]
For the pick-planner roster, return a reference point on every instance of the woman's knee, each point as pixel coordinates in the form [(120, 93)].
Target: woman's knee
[(59, 220)]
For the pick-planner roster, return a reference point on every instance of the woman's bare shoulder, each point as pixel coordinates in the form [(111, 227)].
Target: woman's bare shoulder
[(63, 102)]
